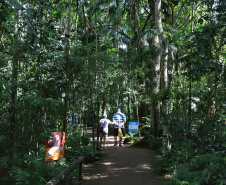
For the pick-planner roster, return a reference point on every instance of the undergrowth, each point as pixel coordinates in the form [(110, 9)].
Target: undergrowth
[(32, 168), (196, 159)]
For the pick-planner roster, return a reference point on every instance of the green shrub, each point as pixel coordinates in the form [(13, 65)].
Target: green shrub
[(206, 169), (149, 141), (132, 138), (33, 169)]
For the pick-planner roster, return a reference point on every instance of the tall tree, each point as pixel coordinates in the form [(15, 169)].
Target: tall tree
[(134, 10), (155, 68), (13, 107)]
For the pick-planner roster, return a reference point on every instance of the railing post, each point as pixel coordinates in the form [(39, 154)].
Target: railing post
[(68, 170), (80, 173)]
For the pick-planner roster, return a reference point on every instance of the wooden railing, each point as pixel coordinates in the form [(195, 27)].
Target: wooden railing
[(61, 176)]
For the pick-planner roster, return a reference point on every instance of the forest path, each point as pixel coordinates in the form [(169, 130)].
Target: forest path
[(123, 166)]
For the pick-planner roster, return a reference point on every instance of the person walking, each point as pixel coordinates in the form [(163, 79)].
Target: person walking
[(119, 119), (103, 130)]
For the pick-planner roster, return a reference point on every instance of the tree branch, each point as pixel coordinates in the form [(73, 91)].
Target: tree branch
[(184, 22), (174, 23)]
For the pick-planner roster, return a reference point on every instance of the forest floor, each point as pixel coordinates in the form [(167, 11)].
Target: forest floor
[(123, 166)]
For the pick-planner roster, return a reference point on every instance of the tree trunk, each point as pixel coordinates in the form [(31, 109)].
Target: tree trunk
[(85, 23), (155, 69), (190, 82), (97, 121), (67, 71), (128, 106), (142, 107), (161, 57), (105, 40), (13, 106), (165, 99), (106, 25)]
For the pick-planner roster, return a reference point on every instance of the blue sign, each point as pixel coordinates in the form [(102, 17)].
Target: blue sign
[(133, 127)]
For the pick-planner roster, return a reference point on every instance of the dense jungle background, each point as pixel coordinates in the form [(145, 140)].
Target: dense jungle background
[(63, 63)]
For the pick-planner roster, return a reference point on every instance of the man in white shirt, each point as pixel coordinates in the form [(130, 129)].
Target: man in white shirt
[(103, 125)]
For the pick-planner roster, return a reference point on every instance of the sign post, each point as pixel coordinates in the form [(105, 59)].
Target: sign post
[(133, 127)]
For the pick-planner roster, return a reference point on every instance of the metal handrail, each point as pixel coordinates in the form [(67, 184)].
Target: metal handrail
[(64, 173)]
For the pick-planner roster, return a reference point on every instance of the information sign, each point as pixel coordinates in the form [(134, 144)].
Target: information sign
[(133, 127), (55, 146)]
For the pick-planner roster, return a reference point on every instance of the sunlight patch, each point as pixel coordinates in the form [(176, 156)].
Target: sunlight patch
[(108, 163), (144, 166)]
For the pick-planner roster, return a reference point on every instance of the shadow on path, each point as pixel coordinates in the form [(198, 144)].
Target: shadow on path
[(123, 166)]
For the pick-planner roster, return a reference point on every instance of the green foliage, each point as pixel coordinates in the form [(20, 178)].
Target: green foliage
[(30, 169), (196, 157), (79, 145), (166, 164), (197, 142), (15, 4), (76, 57), (205, 169), (21, 177), (148, 141), (183, 174), (132, 138)]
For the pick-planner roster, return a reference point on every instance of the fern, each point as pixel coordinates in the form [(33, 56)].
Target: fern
[(203, 161), (20, 176), (183, 173)]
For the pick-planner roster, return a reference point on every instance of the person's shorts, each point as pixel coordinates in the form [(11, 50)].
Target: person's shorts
[(116, 131), (103, 135)]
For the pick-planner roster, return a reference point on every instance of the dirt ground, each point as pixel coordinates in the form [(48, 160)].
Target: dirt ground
[(123, 166)]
